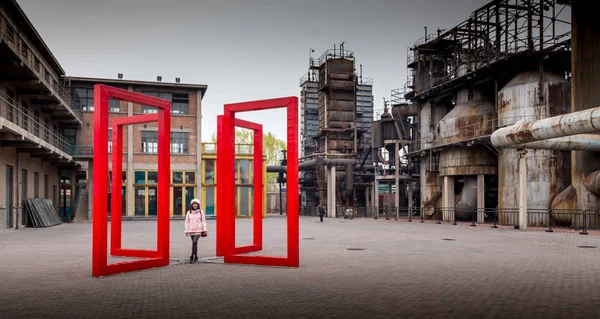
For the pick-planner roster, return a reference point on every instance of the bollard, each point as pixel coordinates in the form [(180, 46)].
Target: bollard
[(584, 232), (421, 213), (473, 219), (410, 214), (453, 216), (376, 213), (439, 213), (495, 219)]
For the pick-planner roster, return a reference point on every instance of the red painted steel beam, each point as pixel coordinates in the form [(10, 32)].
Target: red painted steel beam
[(257, 185), (160, 256), (226, 154)]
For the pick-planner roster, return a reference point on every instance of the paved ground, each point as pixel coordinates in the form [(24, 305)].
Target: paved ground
[(406, 270)]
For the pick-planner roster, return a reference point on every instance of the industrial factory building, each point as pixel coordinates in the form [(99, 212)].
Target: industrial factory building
[(336, 111), (509, 63)]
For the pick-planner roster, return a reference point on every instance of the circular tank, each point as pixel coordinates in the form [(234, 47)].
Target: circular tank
[(548, 171), (467, 120)]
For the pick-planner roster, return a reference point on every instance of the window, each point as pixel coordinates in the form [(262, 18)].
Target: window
[(209, 172), (36, 185), (150, 142), (83, 98), (114, 105), (123, 193), (110, 141), (151, 109), (179, 102), (184, 190), (70, 135), (244, 171), (179, 143)]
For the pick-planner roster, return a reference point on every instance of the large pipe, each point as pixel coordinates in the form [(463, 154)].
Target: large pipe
[(581, 122), (580, 142), (592, 182), (405, 110)]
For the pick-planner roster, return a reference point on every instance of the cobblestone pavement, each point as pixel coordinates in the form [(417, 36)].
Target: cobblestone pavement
[(405, 270)]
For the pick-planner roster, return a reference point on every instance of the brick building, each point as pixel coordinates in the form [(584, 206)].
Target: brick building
[(46, 136), (141, 143)]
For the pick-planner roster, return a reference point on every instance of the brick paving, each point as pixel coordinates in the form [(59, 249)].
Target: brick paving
[(406, 270)]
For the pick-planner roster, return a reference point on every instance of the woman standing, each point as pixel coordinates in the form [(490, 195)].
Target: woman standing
[(195, 227)]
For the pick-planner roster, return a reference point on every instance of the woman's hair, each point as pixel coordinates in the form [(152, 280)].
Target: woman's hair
[(191, 207)]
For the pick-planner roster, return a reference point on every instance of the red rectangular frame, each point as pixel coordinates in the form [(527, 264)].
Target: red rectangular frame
[(226, 155), (160, 257), (257, 185)]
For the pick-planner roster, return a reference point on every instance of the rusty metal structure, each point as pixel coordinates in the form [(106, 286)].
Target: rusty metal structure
[(509, 61), (336, 111)]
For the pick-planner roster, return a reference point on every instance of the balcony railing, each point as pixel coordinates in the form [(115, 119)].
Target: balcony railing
[(240, 149), (13, 112), (9, 34)]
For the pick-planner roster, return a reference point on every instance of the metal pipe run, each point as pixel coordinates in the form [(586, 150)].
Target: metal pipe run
[(581, 122), (581, 142), (309, 165)]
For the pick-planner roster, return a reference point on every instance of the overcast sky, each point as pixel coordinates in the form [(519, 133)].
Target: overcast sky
[(242, 49)]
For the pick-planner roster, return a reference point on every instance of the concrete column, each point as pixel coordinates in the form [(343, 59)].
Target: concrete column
[(130, 196), (480, 199), (199, 144), (448, 198), (523, 190), (376, 198), (332, 189), (585, 68), (397, 178), (367, 191), (90, 189)]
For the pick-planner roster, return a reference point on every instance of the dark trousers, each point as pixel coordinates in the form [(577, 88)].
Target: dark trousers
[(321, 216), (195, 245)]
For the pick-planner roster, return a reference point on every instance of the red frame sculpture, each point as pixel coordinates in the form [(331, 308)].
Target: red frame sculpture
[(154, 258), (257, 185), (225, 176)]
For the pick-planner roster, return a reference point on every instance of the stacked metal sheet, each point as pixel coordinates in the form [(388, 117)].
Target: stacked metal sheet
[(41, 213)]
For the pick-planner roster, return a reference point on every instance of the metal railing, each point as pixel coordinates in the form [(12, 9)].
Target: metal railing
[(582, 221), (240, 149), (335, 53), (17, 114), (11, 35)]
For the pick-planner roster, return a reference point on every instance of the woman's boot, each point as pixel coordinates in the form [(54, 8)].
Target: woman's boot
[(191, 259)]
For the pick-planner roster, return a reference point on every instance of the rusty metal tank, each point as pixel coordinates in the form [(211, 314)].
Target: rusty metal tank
[(533, 96), (469, 119)]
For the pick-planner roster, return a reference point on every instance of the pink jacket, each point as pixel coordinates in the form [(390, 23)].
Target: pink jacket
[(195, 222)]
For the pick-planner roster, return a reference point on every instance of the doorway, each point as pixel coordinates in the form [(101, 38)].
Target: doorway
[(9, 196)]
